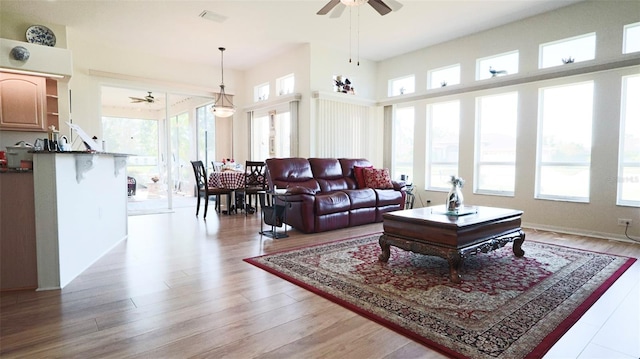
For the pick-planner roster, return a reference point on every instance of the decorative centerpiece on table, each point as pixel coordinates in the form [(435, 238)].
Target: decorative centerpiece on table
[(455, 199), (228, 164)]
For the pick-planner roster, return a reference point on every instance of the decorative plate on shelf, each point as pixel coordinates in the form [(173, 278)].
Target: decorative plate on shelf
[(41, 35)]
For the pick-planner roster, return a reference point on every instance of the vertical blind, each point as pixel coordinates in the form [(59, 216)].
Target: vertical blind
[(348, 130)]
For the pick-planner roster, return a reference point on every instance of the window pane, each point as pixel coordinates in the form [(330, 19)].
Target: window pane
[(283, 135), (496, 178), (564, 142), (631, 38), (496, 142), (261, 92), (402, 86), (441, 175), (579, 48), (503, 64), (566, 129), (403, 142), (443, 128), (565, 182), (445, 76), (629, 162), (285, 85), (260, 138)]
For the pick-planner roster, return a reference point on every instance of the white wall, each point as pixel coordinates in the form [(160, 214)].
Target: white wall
[(599, 217)]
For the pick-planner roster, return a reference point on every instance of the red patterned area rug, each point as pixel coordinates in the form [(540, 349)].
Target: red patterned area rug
[(505, 307)]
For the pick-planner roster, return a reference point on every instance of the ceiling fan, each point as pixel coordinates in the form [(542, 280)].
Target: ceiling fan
[(148, 99), (338, 6)]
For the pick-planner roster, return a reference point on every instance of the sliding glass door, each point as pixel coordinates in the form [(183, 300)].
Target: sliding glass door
[(160, 173)]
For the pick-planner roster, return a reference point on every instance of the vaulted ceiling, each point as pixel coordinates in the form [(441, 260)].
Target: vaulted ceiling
[(253, 31)]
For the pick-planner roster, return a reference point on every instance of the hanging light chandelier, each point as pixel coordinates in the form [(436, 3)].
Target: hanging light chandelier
[(223, 107)]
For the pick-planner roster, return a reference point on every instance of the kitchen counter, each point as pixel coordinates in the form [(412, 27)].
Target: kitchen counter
[(81, 212)]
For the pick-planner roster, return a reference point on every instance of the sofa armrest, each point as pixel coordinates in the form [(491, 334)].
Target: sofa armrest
[(399, 185)]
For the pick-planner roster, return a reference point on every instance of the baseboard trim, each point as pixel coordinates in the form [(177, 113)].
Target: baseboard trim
[(579, 232)]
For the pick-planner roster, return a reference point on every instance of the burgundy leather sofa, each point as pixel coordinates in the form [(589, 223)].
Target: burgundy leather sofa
[(322, 193)]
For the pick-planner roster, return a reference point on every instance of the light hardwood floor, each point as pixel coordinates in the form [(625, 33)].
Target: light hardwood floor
[(178, 288)]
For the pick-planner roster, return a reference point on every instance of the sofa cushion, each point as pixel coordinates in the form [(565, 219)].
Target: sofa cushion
[(328, 173), (388, 197), (361, 198), (290, 172), (332, 202), (377, 178), (358, 173)]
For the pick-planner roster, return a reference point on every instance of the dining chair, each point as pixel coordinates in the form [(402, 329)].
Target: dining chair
[(255, 184), (204, 190), (217, 166)]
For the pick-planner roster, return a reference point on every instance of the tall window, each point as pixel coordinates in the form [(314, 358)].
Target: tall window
[(270, 135), (629, 162), (574, 49), (497, 118), (443, 132), (206, 134), (564, 142), (444, 76), (403, 130), (631, 41), (402, 85)]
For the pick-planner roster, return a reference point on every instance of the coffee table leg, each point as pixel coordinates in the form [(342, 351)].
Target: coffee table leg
[(386, 249), (517, 245), (455, 260)]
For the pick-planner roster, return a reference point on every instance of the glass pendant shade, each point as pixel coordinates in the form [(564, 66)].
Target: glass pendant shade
[(223, 107)]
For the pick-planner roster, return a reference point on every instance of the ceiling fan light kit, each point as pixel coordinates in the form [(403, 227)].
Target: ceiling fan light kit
[(223, 107), (354, 2)]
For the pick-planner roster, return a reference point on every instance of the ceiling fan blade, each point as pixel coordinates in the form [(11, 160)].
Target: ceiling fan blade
[(337, 12), (394, 5), (380, 7), (330, 5)]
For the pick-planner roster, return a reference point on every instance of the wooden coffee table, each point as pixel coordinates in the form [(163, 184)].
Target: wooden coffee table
[(432, 231)]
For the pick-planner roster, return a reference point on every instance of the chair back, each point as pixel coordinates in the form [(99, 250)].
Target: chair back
[(254, 175), (217, 166), (201, 175)]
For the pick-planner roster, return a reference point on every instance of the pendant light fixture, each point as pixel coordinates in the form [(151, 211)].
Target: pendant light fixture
[(223, 107)]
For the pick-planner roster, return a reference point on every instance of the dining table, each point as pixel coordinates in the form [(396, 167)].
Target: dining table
[(229, 179)]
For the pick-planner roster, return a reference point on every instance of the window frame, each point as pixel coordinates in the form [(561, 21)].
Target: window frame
[(281, 83), (568, 40), (539, 148), (478, 147), (257, 92), (622, 164), (480, 61), (392, 82), (625, 37), (429, 186), (431, 73)]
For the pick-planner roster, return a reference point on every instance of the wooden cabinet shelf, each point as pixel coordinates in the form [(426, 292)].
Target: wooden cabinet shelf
[(28, 103)]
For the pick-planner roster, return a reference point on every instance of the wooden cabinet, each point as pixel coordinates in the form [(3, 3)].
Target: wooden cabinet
[(18, 259), (28, 103)]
